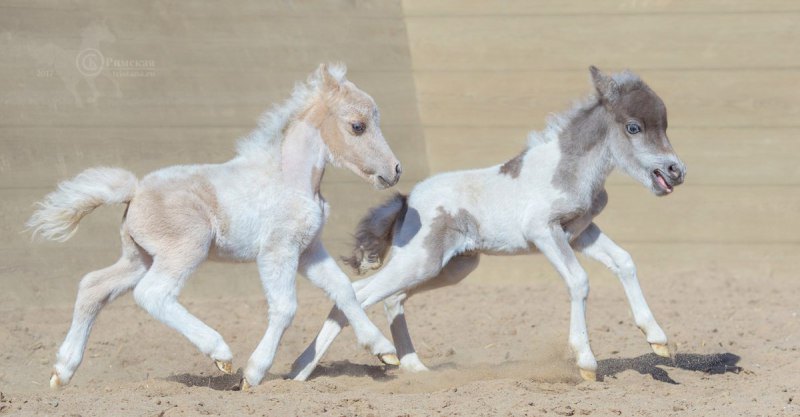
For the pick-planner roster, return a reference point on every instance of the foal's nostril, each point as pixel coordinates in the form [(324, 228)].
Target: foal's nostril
[(675, 171), (398, 169)]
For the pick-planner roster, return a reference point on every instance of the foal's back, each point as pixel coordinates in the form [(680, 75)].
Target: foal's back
[(502, 199)]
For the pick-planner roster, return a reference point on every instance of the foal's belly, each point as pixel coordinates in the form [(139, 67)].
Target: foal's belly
[(499, 240), (243, 246)]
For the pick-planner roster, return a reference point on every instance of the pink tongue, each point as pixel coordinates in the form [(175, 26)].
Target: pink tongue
[(663, 183)]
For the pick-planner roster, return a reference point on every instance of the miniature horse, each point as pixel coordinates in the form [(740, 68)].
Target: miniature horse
[(264, 205), (545, 199)]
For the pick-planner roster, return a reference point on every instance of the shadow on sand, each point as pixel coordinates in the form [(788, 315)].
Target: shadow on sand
[(222, 382), (713, 364), (650, 364), (347, 368), (233, 382)]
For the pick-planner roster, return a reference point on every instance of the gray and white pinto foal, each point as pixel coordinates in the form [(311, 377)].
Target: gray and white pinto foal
[(264, 205), (545, 199)]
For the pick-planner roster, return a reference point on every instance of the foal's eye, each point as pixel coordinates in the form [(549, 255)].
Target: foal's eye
[(359, 127), (633, 128)]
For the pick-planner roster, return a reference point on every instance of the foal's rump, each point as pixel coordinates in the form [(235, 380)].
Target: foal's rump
[(177, 209), (58, 214)]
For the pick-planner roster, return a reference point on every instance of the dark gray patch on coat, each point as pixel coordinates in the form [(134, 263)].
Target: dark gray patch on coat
[(513, 167), (644, 105), (447, 231), (616, 104), (586, 130), (599, 203), (633, 99)]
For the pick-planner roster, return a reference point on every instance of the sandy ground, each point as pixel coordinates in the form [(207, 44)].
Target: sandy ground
[(496, 348), (459, 84)]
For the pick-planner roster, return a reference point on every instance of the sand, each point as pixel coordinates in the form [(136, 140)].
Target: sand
[(495, 348), (459, 84)]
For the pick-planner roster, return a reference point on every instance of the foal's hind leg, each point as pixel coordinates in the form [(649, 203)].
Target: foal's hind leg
[(158, 291), (596, 245), (97, 289), (454, 272), (404, 271)]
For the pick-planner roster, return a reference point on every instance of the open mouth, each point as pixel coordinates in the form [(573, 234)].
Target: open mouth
[(662, 182)]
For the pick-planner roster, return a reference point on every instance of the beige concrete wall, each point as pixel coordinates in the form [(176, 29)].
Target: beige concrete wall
[(488, 72), (214, 69), (459, 82)]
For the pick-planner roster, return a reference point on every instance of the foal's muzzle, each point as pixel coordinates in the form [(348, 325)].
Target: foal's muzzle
[(675, 172), (667, 176), (398, 170)]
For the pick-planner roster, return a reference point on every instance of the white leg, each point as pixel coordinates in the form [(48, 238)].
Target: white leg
[(596, 245), (304, 365), (157, 293), (322, 270), (553, 242), (393, 278), (96, 289), (277, 270), (395, 313), (454, 272)]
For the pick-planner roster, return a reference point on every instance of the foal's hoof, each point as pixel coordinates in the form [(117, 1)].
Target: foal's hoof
[(389, 359), (224, 366), (411, 363), (55, 381), (661, 350), (588, 375), (244, 385)]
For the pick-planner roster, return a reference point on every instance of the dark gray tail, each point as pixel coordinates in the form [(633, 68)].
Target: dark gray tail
[(374, 234)]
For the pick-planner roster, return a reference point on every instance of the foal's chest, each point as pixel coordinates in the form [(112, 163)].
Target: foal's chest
[(292, 222), (566, 209)]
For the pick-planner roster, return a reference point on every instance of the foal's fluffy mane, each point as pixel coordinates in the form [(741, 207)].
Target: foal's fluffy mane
[(273, 121), (557, 122)]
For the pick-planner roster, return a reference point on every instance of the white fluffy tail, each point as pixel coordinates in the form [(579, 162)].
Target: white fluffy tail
[(58, 215)]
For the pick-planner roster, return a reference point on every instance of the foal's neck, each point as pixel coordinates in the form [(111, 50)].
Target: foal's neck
[(303, 157), (586, 159)]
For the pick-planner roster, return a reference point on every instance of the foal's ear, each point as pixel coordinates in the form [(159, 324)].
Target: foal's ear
[(329, 82), (605, 85)]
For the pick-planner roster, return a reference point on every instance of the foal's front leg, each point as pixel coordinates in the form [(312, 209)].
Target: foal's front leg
[(318, 266), (277, 268), (596, 245), (553, 242)]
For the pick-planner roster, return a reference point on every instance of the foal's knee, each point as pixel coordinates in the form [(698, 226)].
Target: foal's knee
[(579, 286), (150, 297), (625, 265), (393, 305), (281, 314)]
